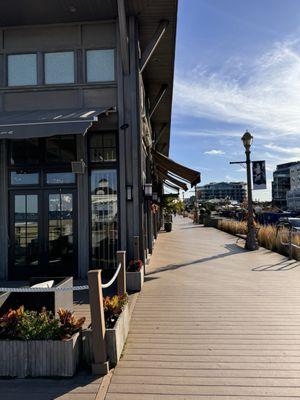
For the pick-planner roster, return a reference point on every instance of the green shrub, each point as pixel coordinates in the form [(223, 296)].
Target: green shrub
[(22, 324)]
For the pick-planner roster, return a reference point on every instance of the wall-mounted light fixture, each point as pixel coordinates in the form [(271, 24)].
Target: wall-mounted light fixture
[(129, 193), (78, 167), (148, 189), (154, 196), (124, 126), (158, 200)]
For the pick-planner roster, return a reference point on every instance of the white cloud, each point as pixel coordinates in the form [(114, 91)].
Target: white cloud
[(264, 98), (286, 150), (214, 152)]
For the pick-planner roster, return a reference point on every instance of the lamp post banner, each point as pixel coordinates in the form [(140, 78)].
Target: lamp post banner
[(259, 175)]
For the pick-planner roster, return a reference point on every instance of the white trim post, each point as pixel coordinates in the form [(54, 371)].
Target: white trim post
[(121, 280)]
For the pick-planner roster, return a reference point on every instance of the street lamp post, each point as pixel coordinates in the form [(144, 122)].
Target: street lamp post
[(196, 207), (251, 242)]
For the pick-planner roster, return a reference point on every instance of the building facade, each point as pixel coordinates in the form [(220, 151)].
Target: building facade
[(223, 190), (282, 184), (293, 195), (85, 105)]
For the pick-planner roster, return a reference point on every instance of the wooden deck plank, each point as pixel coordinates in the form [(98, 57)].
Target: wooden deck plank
[(208, 373), (204, 390), (209, 325), (147, 396)]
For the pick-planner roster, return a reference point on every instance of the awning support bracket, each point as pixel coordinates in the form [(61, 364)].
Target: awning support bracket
[(150, 48), (158, 98)]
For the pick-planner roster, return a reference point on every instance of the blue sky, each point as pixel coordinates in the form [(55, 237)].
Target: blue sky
[(237, 68)]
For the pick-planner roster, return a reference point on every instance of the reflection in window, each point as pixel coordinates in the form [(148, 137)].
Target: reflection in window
[(24, 151), (104, 215), (22, 69), (26, 244), (21, 178), (60, 149), (103, 147), (60, 178), (100, 65), (60, 231), (59, 67)]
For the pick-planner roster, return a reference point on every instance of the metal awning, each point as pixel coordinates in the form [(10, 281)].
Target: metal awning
[(168, 178), (44, 123), (180, 171)]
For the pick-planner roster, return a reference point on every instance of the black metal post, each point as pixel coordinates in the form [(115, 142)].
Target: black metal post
[(251, 242), (196, 207)]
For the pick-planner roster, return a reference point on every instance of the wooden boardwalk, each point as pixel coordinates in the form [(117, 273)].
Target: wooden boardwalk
[(212, 322)]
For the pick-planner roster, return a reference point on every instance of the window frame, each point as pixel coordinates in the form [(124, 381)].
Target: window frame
[(42, 151), (24, 171), (103, 166), (84, 56), (7, 69), (75, 64), (105, 162), (42, 168)]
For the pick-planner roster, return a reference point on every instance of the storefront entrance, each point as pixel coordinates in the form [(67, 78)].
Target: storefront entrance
[(43, 238)]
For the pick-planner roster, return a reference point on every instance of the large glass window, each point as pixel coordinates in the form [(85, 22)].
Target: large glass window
[(103, 147), (60, 149), (104, 215), (22, 69), (25, 152), (59, 67), (100, 65)]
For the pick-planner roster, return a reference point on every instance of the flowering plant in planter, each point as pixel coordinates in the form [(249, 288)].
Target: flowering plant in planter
[(135, 266), (22, 324), (113, 307)]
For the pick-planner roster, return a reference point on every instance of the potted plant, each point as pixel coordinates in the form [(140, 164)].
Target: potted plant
[(168, 223), (135, 275), (38, 343)]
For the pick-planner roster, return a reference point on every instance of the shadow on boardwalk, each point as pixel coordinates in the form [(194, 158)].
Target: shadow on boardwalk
[(232, 249), (82, 387)]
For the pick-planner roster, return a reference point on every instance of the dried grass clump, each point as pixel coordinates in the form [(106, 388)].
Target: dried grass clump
[(233, 227), (266, 235)]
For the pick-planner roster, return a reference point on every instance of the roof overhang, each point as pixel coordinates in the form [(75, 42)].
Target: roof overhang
[(149, 13)]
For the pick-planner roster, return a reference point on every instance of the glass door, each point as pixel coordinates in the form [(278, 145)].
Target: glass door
[(60, 244), (42, 233), (25, 251)]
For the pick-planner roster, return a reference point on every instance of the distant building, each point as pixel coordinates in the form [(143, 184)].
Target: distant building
[(293, 195), (282, 184), (223, 190)]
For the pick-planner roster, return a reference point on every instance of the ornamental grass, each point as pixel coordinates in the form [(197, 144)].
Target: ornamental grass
[(266, 235)]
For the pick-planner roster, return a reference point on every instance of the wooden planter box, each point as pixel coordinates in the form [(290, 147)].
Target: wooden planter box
[(115, 340), (33, 358), (116, 337), (135, 280)]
